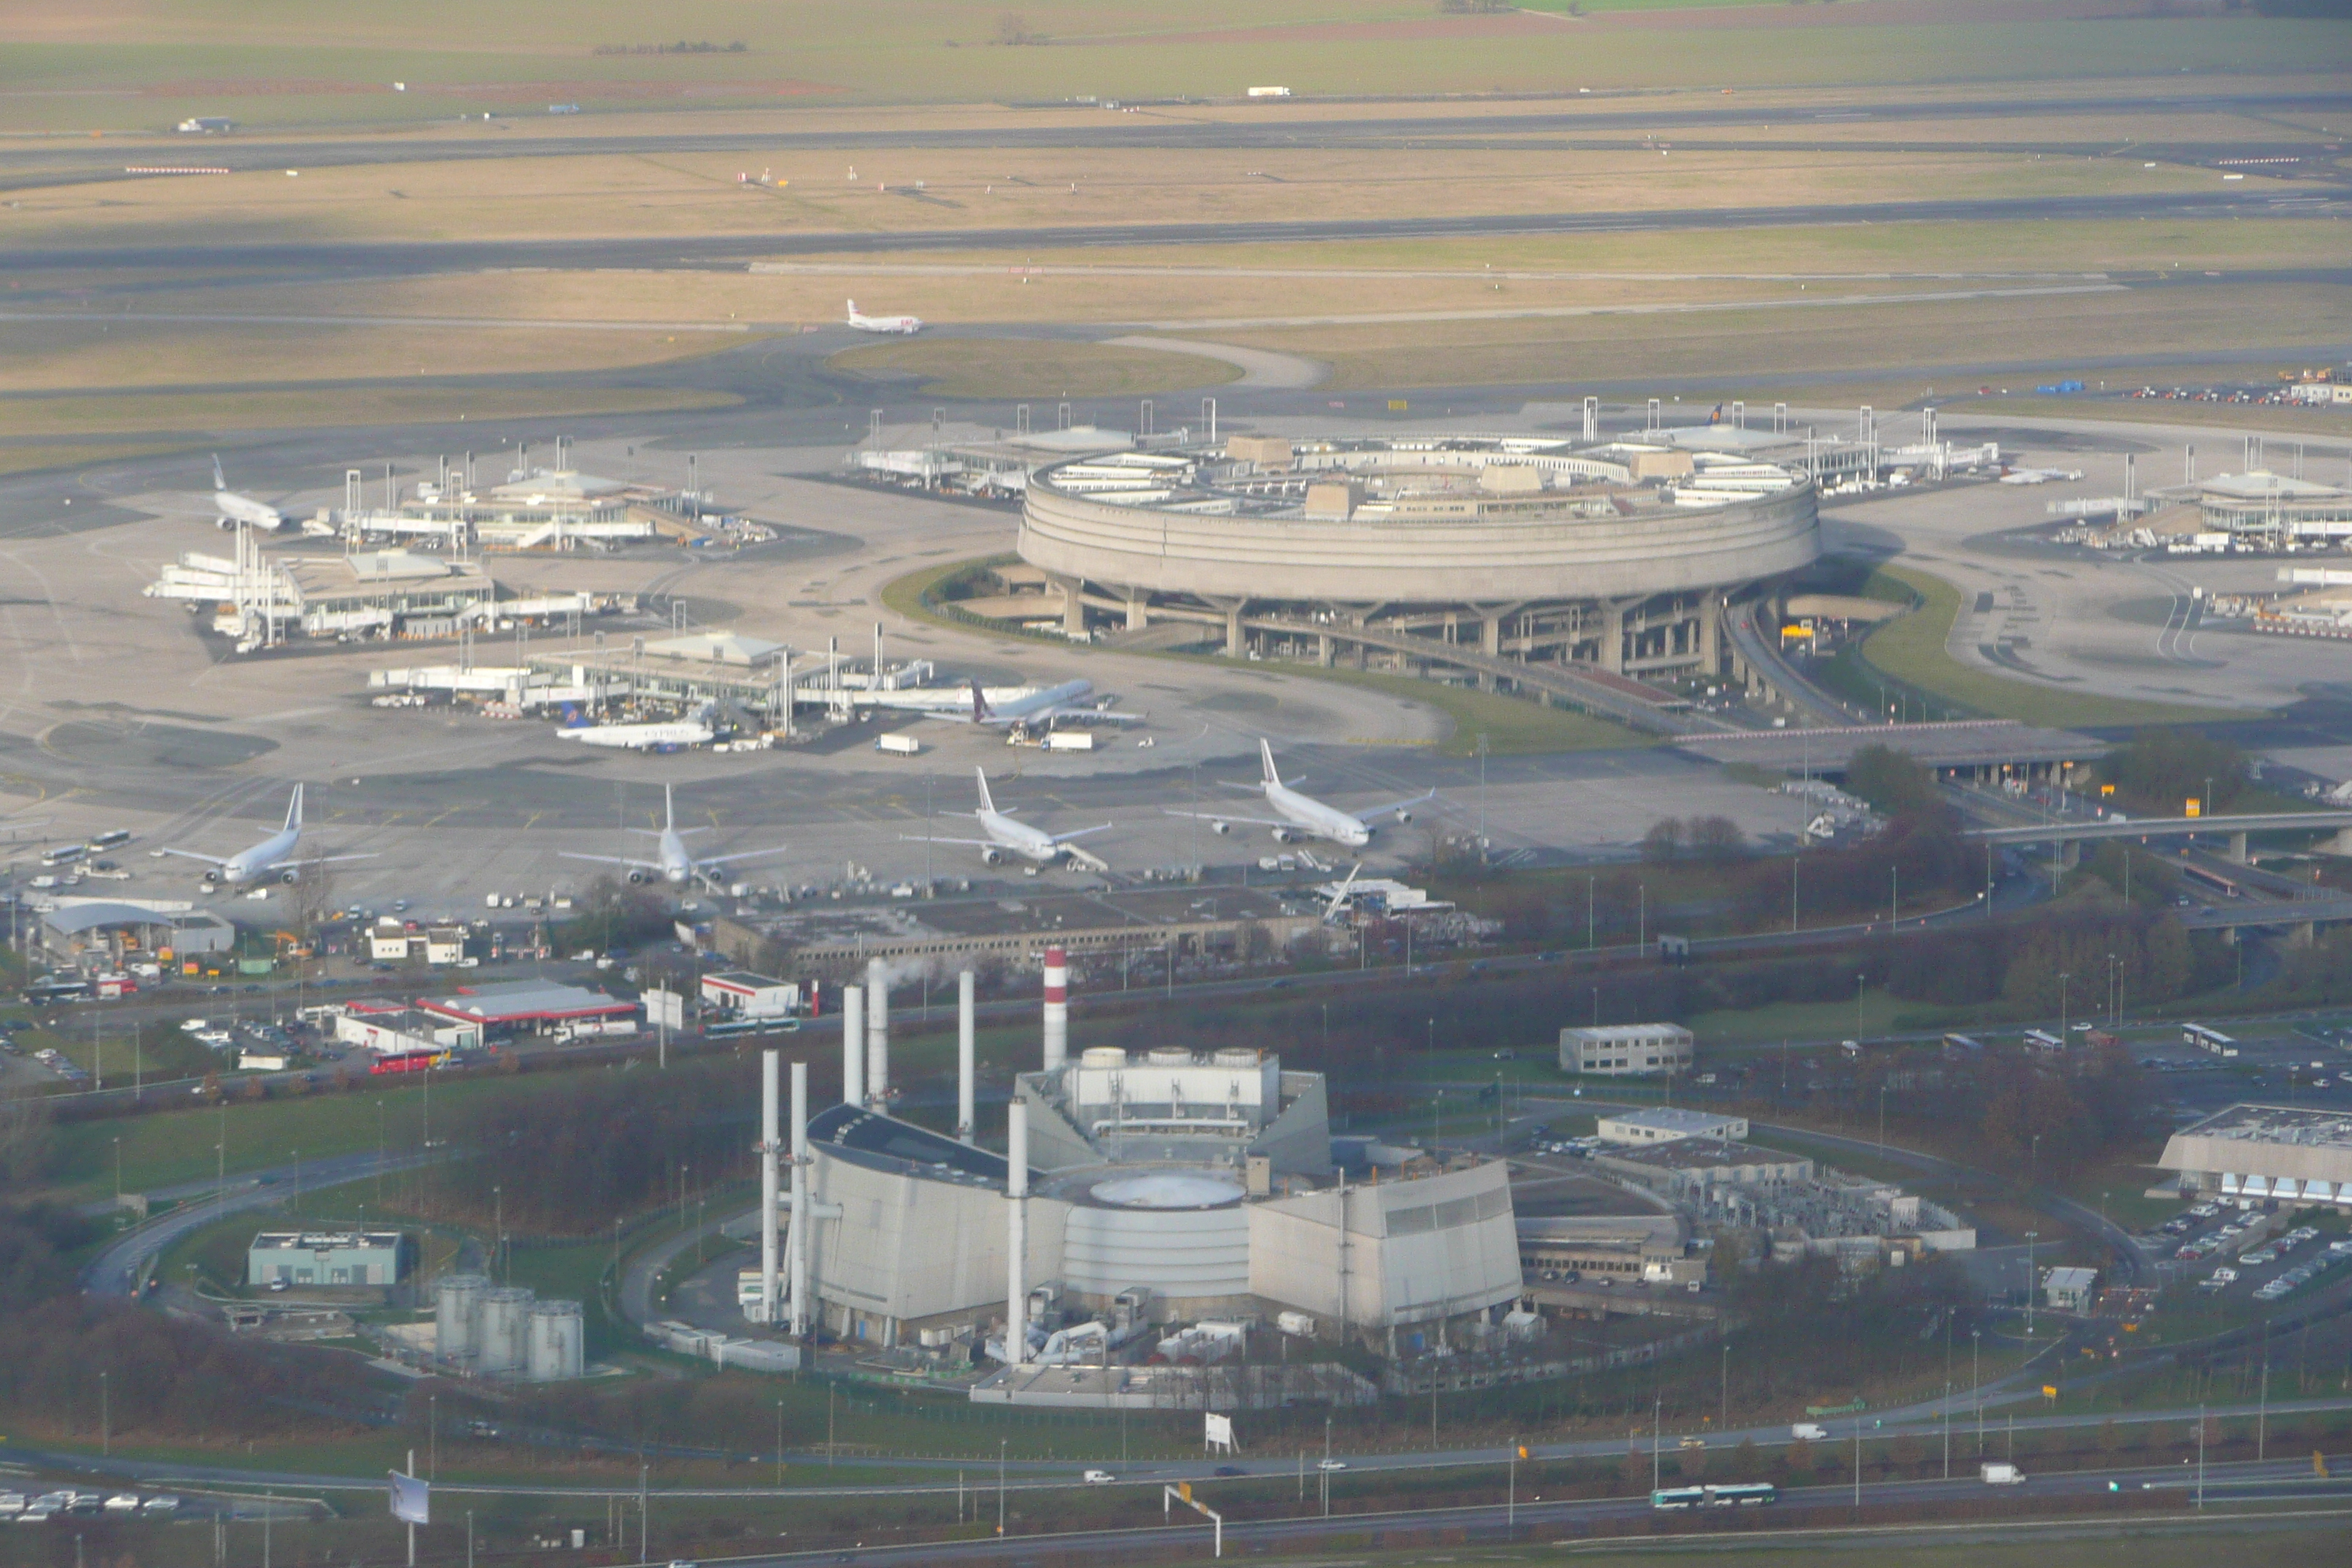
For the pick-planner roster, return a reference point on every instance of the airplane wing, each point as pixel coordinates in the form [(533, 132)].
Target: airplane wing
[(611, 860), (318, 861), (1395, 805), (1091, 715), (1228, 816), (192, 854), (984, 843), (744, 854), (1081, 833)]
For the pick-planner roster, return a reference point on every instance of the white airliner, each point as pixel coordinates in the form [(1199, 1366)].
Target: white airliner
[(2039, 476), (1300, 816), (233, 508), (273, 853), (1040, 705), (1008, 835), (646, 737), (671, 863), (907, 325)]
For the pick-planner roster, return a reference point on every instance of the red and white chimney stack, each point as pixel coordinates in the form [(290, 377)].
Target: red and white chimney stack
[(1058, 1008)]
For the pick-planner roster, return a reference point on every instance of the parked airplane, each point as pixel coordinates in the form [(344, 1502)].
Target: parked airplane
[(273, 853), (233, 508), (2039, 476), (671, 863), (1007, 835), (864, 324), (1300, 816), (645, 737), (1041, 705)]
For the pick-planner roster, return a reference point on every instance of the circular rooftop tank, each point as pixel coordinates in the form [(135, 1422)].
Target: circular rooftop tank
[(1169, 1056), (1167, 1190), (1102, 1057), (1236, 1056)]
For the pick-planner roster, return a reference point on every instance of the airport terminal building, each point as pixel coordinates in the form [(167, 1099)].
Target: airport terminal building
[(2260, 1153), (1613, 558)]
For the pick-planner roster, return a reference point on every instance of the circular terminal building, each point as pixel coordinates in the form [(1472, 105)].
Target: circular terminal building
[(1498, 556)]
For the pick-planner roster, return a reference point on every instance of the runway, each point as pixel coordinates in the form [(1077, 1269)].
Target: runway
[(723, 251), (1156, 127)]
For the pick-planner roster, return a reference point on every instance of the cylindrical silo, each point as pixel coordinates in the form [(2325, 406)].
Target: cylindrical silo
[(554, 1349), (457, 1318), (505, 1311)]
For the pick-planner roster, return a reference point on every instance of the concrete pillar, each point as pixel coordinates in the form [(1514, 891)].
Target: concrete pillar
[(2303, 933), (1237, 644), (2238, 848), (771, 1193), (2342, 843), (853, 1046), (877, 1034), (965, 1124), (1138, 616), (1323, 647), (1613, 638), (1074, 606), (798, 1250), (1016, 1232)]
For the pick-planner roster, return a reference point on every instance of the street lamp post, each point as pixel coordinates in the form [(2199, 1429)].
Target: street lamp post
[(2029, 1280)]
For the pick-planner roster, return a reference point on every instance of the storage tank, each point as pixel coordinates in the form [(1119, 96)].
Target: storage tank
[(457, 1317), (1110, 1056), (505, 1311), (554, 1349), (1169, 1056), (1236, 1056)]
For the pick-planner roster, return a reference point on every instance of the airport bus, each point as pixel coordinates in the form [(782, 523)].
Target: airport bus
[(63, 854), (1752, 1495), (109, 838), (2043, 1040), (56, 988), (407, 1061), (2206, 1039)]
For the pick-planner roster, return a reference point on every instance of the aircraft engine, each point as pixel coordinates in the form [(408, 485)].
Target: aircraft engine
[(289, 876), (1283, 836), (993, 857), (1221, 828), (636, 878)]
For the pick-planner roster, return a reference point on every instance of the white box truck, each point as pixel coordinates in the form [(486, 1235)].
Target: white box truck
[(902, 745), (1809, 1432), (1998, 1474)]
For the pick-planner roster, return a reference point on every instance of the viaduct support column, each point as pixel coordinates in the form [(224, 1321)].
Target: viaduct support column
[(2238, 848)]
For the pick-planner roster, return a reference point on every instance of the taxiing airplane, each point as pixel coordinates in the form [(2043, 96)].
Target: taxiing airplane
[(233, 508), (1007, 835), (274, 854), (645, 737), (1300, 816), (671, 863), (2039, 476), (905, 325)]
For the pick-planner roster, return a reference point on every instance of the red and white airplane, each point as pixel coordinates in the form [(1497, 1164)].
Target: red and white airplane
[(907, 325)]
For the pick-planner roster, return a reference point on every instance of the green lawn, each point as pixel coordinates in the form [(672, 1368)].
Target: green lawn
[(1910, 648)]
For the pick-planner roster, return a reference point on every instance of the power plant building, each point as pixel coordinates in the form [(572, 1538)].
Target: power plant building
[(1200, 1187)]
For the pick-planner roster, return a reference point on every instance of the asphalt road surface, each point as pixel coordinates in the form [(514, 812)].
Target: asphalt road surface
[(1155, 126), (410, 259)]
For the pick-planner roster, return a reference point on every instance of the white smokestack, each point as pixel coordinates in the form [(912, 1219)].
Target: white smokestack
[(852, 1046), (966, 1124), (800, 1233), (1016, 1233), (877, 1033), (770, 1137), (1058, 1008)]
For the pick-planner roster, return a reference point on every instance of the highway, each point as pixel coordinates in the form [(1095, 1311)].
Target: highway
[(413, 259)]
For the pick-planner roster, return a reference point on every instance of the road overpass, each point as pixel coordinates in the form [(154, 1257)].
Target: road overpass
[(2235, 827)]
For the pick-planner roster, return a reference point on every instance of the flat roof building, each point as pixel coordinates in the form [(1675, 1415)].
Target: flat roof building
[(2251, 1152), (534, 1006), (327, 1258), (2070, 1290), (1695, 1165), (1627, 1050), (748, 995), (1667, 1123)]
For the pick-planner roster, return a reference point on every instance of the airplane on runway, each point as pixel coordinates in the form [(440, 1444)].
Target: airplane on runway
[(1042, 706), (671, 863), (233, 508), (663, 734), (1300, 816), (1008, 835), (907, 325), (274, 854)]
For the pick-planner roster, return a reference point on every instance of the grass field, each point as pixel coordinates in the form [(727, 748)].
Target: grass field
[(427, 401), (1019, 367), (1911, 648), (276, 63), (72, 356), (1001, 193), (1952, 340)]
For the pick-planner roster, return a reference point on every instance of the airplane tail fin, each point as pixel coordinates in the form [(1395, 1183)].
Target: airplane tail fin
[(986, 804), (980, 708), (220, 481), (852, 310), (1265, 761), (294, 809)]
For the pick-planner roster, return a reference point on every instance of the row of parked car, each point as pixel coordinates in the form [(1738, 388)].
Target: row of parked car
[(23, 1510), (2304, 1273)]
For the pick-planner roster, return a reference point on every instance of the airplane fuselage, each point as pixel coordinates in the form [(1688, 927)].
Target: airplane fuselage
[(251, 865), (1312, 818), (640, 737), (1029, 843)]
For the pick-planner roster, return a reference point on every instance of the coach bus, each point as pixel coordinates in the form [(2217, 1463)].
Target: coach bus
[(1753, 1495), (2206, 1039), (407, 1061)]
